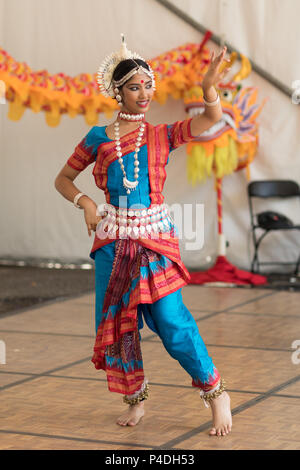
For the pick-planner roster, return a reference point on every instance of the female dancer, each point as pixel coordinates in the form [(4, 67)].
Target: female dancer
[(138, 269)]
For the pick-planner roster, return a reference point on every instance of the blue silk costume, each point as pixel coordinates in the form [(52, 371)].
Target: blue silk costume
[(168, 316)]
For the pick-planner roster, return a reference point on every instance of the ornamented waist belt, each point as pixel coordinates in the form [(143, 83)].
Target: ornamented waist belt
[(134, 222)]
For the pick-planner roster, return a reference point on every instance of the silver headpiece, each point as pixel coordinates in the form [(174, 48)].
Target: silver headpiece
[(106, 70)]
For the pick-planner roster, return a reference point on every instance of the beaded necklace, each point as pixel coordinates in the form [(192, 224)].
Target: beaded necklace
[(129, 185)]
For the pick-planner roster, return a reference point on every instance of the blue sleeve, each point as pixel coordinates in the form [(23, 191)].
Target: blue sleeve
[(86, 151)]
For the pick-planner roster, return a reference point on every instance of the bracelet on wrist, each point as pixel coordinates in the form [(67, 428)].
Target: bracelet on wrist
[(75, 201), (211, 103)]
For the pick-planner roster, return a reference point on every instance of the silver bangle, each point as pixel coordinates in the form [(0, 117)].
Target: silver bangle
[(76, 200), (212, 103)]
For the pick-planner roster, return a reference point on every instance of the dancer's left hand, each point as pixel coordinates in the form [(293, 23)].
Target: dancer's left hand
[(213, 75)]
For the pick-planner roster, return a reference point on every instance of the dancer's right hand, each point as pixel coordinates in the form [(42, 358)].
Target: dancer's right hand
[(91, 219)]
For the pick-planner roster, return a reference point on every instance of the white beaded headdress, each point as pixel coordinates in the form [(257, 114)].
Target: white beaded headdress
[(106, 83)]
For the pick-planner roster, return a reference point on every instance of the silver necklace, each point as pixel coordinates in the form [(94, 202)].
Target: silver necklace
[(131, 117), (129, 185)]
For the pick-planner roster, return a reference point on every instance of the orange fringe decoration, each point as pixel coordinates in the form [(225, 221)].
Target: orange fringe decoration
[(175, 72)]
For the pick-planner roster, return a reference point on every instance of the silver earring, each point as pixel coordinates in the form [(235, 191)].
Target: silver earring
[(118, 97)]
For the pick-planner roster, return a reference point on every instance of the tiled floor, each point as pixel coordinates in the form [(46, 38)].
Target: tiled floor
[(52, 397)]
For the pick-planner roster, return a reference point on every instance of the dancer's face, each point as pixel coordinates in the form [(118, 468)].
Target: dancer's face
[(137, 94)]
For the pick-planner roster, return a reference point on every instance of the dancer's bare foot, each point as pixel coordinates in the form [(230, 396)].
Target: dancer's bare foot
[(133, 415), (222, 419)]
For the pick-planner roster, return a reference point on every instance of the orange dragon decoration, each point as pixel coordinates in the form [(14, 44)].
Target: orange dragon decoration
[(228, 146), (59, 93)]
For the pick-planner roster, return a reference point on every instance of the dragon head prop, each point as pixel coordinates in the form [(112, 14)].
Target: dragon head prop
[(231, 143)]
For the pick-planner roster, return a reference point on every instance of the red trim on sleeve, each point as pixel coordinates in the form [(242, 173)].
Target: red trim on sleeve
[(189, 130), (73, 166)]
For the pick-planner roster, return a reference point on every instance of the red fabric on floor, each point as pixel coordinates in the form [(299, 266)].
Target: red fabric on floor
[(223, 271)]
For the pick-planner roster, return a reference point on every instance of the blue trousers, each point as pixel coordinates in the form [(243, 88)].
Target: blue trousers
[(168, 317)]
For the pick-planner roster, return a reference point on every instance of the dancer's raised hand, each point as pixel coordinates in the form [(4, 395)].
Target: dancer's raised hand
[(213, 74)]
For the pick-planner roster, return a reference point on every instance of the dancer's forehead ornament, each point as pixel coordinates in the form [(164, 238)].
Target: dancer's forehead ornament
[(106, 70)]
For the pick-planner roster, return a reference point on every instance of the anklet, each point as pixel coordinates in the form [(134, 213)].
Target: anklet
[(209, 396), (142, 396)]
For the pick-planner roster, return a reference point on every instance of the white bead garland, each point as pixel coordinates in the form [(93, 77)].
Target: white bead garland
[(129, 185)]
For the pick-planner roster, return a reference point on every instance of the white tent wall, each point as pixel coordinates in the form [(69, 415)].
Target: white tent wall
[(73, 37), (266, 31)]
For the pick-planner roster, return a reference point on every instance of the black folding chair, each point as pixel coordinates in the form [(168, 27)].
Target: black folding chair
[(269, 189)]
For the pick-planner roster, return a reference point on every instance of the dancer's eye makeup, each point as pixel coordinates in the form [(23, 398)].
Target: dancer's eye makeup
[(135, 88)]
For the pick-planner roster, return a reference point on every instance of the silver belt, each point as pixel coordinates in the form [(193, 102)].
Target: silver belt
[(135, 222)]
